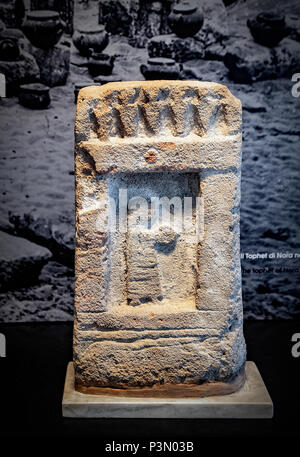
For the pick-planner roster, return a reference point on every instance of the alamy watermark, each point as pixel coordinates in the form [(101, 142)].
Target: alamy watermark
[(154, 215), (296, 347), (296, 87)]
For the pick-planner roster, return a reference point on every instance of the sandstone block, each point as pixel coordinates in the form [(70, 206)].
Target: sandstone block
[(158, 283), (7, 13)]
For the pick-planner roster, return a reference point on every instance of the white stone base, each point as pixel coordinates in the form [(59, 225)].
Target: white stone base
[(252, 401)]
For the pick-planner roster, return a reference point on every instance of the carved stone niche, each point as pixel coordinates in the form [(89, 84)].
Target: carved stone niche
[(158, 305)]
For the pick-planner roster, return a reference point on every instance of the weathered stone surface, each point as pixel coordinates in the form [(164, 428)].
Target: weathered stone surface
[(137, 19), (20, 261), (7, 13), (23, 42), (208, 43), (205, 70), (293, 26), (250, 401), (54, 64), (215, 19), (22, 71), (50, 298), (249, 61), (159, 306), (180, 49), (141, 20), (184, 49), (56, 233)]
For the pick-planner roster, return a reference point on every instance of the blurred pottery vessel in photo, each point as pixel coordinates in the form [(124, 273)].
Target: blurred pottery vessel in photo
[(100, 64), (96, 38), (43, 28), (34, 96), (185, 19), (17, 34), (161, 68), (267, 29)]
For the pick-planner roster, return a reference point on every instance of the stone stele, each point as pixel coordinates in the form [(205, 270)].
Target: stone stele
[(159, 309)]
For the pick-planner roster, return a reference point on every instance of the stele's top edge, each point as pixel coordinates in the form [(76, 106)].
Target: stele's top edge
[(94, 92)]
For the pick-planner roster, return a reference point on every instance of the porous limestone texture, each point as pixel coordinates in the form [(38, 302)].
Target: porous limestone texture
[(252, 401), (163, 305)]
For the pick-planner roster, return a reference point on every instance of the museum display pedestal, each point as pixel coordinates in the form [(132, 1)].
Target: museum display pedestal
[(252, 401)]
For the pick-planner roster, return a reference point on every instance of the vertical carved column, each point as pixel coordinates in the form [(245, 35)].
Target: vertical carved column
[(160, 306)]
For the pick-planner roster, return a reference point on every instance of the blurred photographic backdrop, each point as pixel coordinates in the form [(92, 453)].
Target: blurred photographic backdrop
[(50, 49)]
